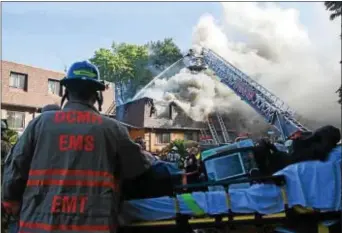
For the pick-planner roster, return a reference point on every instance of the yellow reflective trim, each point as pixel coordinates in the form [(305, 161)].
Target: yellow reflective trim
[(176, 205), (322, 228), (284, 195), (202, 220), (279, 215), (246, 217), (154, 223), (225, 219), (303, 210), (228, 200)]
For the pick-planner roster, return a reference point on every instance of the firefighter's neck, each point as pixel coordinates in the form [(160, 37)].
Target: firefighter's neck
[(91, 101)]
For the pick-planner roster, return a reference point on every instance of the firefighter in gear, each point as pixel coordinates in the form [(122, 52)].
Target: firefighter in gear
[(67, 167), (50, 107), (5, 149), (5, 144)]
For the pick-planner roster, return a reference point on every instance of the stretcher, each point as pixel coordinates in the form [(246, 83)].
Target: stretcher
[(184, 216)]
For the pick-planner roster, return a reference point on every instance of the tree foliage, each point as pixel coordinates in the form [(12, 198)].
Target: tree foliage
[(120, 63), (164, 53), (339, 91), (11, 136), (335, 8), (336, 11), (127, 65), (123, 64)]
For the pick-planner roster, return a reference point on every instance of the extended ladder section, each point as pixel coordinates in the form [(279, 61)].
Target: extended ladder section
[(203, 133), (205, 139), (111, 108), (213, 131), (274, 110), (263, 92), (223, 128)]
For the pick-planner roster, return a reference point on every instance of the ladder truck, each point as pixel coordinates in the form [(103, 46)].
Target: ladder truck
[(273, 109)]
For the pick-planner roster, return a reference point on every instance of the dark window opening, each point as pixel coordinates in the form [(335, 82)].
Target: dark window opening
[(18, 80), (191, 136), (170, 111), (54, 87)]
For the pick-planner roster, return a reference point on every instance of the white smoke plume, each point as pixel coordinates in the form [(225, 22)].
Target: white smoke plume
[(197, 94), (269, 43)]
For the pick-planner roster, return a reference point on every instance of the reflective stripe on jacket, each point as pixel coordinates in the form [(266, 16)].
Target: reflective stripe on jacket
[(66, 170)]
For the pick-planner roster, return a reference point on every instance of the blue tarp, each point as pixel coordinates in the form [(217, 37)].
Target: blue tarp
[(312, 184), (148, 209), (166, 169)]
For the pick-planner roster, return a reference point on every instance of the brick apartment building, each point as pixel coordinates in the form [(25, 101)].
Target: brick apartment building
[(26, 89)]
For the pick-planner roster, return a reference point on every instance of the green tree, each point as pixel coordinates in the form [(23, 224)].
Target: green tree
[(127, 65), (11, 136), (124, 64), (336, 11), (164, 53)]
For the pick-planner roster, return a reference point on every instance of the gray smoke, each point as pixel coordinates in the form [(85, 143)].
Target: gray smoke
[(279, 52), (197, 94), (272, 46)]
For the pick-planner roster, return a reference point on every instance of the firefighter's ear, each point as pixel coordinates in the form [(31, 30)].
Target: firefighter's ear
[(64, 97), (99, 98)]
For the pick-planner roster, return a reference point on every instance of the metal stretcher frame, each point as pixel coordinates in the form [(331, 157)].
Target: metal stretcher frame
[(182, 221)]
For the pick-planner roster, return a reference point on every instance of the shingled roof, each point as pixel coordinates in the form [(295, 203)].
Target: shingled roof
[(149, 113)]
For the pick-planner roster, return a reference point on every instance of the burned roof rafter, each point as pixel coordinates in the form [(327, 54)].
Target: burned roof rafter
[(146, 108)]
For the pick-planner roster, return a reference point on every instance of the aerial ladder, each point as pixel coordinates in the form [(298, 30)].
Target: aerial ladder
[(225, 134), (273, 109), (205, 138), (111, 109), (203, 132), (213, 132)]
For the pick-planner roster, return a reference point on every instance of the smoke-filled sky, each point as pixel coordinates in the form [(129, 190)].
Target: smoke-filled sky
[(292, 48), (300, 64)]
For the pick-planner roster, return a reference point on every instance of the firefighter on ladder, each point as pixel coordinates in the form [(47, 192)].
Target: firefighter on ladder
[(64, 174)]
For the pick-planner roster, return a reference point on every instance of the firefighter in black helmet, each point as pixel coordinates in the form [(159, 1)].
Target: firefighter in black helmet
[(67, 168)]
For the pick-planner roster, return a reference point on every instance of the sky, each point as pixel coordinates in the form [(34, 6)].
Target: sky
[(289, 47), (53, 35)]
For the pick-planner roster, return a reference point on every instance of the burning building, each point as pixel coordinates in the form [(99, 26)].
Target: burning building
[(160, 122)]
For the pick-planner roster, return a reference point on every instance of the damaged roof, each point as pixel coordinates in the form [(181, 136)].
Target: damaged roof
[(149, 113)]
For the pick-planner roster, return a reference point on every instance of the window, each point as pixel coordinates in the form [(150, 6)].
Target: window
[(163, 138), (188, 136), (54, 87), (18, 80), (193, 136), (170, 111), (16, 120)]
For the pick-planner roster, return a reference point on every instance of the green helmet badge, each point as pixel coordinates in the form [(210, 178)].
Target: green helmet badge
[(85, 73)]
